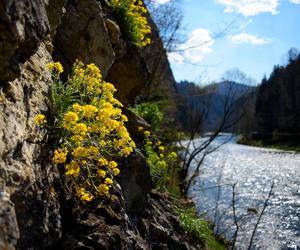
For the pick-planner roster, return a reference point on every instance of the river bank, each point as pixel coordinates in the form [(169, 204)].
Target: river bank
[(268, 144)]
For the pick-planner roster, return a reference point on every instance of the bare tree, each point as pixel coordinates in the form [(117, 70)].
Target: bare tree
[(231, 115), (234, 216), (168, 19)]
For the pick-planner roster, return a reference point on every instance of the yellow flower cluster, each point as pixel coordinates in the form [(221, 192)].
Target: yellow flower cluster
[(133, 12), (56, 67), (94, 132)]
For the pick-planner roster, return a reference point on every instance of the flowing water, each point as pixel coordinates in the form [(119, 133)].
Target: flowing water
[(252, 170)]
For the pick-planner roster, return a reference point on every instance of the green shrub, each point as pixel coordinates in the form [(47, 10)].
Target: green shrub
[(151, 113)]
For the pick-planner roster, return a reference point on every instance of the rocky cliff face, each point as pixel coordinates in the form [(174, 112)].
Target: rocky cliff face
[(35, 212)]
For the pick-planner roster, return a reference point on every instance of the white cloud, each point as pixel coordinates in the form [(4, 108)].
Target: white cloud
[(247, 38), (161, 1), (195, 48), (251, 7), (295, 1)]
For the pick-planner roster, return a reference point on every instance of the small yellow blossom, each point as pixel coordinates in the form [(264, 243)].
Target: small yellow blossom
[(77, 138), (161, 148), (103, 189), (72, 169), (80, 128), (40, 120), (108, 181), (112, 164), (89, 111), (60, 155), (116, 171), (77, 107), (83, 194), (173, 155), (70, 117), (102, 162), (147, 133), (93, 150), (56, 67), (140, 128), (80, 152), (101, 173)]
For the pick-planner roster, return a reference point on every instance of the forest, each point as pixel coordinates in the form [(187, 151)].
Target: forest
[(277, 107)]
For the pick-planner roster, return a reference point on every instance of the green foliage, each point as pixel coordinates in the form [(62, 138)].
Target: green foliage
[(198, 229), (130, 16), (151, 113), (161, 165)]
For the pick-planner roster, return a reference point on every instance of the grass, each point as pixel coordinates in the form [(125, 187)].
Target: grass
[(199, 229)]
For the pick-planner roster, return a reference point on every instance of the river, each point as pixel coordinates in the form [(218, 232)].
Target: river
[(252, 170)]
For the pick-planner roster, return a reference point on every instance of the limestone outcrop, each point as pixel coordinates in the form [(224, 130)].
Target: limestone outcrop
[(35, 212)]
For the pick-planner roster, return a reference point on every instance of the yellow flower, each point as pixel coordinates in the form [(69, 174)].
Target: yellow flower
[(93, 70), (101, 173), (77, 138), (80, 128), (103, 189), (69, 118), (116, 171), (84, 195), (102, 162), (147, 133), (56, 67), (112, 164), (173, 155), (40, 120), (80, 152), (127, 151), (72, 169), (89, 111), (60, 155), (77, 107), (161, 148), (140, 128), (93, 150), (108, 181)]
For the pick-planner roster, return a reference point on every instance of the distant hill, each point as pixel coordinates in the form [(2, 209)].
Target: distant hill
[(211, 100), (223, 92), (225, 88)]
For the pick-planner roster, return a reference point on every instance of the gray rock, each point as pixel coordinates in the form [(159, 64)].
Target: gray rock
[(9, 233), (83, 35), (23, 26), (24, 172)]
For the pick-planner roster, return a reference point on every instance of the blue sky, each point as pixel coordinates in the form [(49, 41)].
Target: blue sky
[(261, 35)]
